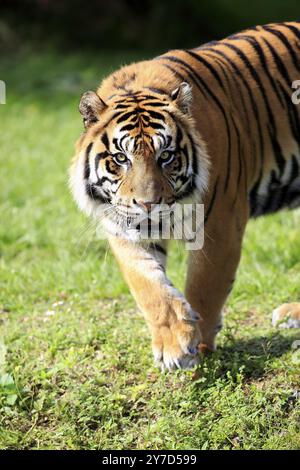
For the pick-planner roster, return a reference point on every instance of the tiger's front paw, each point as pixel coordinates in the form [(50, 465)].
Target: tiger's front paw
[(175, 344)]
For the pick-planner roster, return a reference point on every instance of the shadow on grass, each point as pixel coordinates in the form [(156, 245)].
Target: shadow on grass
[(252, 357)]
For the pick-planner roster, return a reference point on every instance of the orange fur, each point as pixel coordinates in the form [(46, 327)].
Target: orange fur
[(231, 100)]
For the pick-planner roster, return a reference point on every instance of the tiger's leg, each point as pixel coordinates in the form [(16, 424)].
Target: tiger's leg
[(287, 315), (211, 271), (172, 322)]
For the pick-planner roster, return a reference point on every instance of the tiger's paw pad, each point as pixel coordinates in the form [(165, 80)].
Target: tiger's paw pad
[(175, 346), (287, 316)]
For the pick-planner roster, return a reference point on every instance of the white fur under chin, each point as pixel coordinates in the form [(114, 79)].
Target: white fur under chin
[(112, 228), (77, 186)]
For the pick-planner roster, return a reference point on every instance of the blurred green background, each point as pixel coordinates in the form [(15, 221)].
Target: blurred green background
[(147, 24)]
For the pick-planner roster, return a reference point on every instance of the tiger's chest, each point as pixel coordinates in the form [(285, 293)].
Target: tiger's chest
[(277, 190)]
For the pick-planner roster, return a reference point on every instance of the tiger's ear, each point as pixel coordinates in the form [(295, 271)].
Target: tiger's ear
[(90, 107), (182, 97)]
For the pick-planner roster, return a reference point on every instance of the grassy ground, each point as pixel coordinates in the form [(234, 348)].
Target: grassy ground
[(75, 360)]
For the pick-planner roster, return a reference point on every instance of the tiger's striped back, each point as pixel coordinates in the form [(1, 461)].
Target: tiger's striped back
[(245, 83), (240, 113)]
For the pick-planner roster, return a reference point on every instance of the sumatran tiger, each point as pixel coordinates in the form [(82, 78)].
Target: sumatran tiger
[(216, 125)]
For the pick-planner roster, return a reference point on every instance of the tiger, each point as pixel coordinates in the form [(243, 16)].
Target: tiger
[(215, 125)]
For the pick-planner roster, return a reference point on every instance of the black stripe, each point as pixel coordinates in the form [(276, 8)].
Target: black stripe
[(166, 140), (256, 77), (145, 119), (110, 120), (122, 106), (145, 97), (194, 156), (128, 127), (292, 28), (155, 125), (120, 143), (108, 162), (179, 136), (160, 91), (207, 65), (279, 194), (277, 150), (253, 199), (126, 98), (237, 87), (279, 63), (105, 140), (239, 153), (155, 104), (125, 116), (100, 156), (103, 179), (86, 170), (286, 43), (192, 74), (187, 191), (117, 144), (181, 166), (253, 104), (294, 170), (92, 192), (273, 199), (212, 201), (217, 77), (157, 247), (257, 47), (272, 132), (155, 115), (175, 72)]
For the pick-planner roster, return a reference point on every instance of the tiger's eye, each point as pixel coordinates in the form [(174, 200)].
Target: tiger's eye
[(166, 156), (120, 158)]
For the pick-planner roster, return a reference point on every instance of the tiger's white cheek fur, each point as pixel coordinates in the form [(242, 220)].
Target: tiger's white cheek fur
[(78, 187), (202, 178)]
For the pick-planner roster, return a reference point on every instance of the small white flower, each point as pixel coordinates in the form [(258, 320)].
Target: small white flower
[(49, 313)]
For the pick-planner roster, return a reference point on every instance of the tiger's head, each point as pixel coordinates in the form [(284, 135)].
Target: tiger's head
[(140, 150)]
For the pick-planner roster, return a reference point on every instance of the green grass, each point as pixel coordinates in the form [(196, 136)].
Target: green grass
[(76, 366)]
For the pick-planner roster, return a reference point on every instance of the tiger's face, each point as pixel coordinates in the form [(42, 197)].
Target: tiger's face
[(140, 152)]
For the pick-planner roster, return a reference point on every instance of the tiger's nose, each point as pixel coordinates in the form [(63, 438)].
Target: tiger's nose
[(147, 205)]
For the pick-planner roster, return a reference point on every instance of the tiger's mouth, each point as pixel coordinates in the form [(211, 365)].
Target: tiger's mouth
[(131, 215), (126, 220)]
